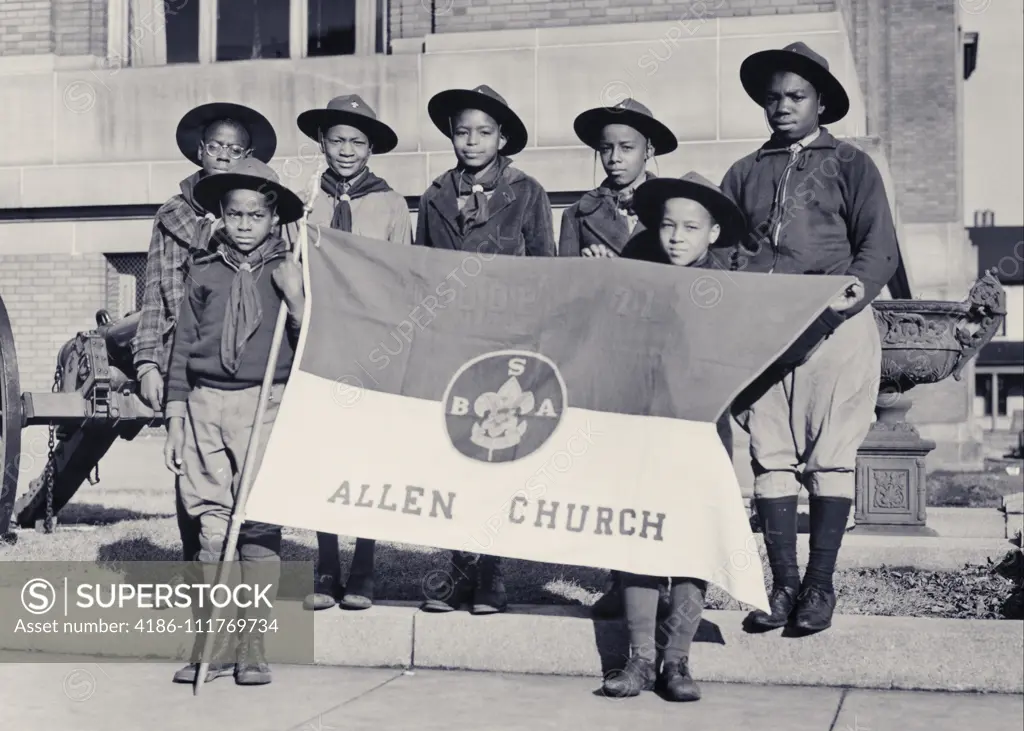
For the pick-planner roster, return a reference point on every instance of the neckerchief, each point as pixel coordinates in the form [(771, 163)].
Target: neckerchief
[(343, 191), (194, 231), (476, 186), (244, 311), (618, 199)]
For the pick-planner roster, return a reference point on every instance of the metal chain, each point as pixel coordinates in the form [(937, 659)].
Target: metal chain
[(51, 464)]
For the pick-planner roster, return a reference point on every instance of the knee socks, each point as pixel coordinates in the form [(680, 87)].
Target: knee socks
[(778, 523), (640, 596), (681, 625), (328, 563), (828, 524)]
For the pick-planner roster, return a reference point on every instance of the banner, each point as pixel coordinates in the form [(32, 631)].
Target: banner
[(555, 410)]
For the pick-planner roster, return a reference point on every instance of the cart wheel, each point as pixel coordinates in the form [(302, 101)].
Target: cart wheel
[(10, 423)]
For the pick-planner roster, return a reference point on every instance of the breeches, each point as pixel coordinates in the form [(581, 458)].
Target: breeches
[(218, 425), (806, 429)]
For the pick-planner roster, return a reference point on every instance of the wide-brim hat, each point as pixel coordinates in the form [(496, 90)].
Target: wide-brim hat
[(444, 105), (262, 138), (350, 110), (650, 197), (588, 125), (249, 174), (757, 69)]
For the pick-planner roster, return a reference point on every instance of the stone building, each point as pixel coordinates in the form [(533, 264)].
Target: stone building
[(93, 90)]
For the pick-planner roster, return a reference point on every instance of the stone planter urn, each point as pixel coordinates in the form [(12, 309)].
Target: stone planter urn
[(922, 342)]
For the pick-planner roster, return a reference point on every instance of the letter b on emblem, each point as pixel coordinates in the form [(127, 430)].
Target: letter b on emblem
[(503, 406)]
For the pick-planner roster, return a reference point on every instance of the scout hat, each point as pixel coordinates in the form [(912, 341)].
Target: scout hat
[(250, 174), (262, 137), (757, 69), (588, 125), (651, 196), (349, 109), (446, 104)]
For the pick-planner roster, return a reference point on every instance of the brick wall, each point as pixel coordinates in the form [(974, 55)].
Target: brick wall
[(909, 70), (411, 18), (922, 127), (49, 298), (25, 27), (80, 27)]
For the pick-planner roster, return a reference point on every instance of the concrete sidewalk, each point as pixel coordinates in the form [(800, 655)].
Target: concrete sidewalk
[(882, 653), (123, 697)]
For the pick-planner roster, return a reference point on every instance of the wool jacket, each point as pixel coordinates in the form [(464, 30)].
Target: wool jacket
[(821, 210), (196, 353), (594, 219), (519, 221), (170, 246)]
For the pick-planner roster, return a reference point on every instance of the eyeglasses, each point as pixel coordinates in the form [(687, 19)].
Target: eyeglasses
[(235, 152)]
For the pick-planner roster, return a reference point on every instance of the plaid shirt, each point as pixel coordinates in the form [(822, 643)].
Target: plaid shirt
[(174, 239)]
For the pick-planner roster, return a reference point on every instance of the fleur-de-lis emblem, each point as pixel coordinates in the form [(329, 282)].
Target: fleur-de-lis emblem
[(499, 426), (355, 105)]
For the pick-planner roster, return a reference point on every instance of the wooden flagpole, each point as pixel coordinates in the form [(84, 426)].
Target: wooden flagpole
[(245, 484)]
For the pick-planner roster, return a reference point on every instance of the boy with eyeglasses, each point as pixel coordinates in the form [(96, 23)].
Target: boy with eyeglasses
[(217, 137)]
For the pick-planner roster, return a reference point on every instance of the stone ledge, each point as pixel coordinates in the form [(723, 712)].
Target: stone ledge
[(570, 168)]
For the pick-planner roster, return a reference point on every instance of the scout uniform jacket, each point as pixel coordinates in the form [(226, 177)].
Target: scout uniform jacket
[(519, 219), (590, 221), (383, 216), (818, 209)]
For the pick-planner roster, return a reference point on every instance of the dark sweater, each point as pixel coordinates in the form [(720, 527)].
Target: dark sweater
[(195, 356), (832, 216)]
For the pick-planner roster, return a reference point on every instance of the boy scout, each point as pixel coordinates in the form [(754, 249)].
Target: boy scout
[(625, 137), (815, 205), (217, 137), (483, 204), (352, 199)]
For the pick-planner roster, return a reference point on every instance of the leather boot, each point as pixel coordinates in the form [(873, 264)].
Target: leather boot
[(359, 588), (222, 653), (489, 595), (814, 610), (782, 601), (252, 667), (638, 675), (677, 684), (817, 600), (327, 588), (449, 589)]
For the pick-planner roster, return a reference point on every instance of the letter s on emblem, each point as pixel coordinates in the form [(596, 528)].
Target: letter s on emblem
[(516, 366)]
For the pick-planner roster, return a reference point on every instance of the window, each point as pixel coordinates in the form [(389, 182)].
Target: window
[(126, 283), (332, 28), (160, 32), (983, 390), (252, 29), (1011, 389)]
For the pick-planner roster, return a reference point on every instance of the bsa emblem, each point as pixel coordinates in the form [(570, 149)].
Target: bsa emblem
[(503, 406)]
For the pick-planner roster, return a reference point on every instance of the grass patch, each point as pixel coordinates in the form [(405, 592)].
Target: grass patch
[(971, 489)]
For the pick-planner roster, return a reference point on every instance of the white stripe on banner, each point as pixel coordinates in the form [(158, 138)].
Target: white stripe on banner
[(642, 494)]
